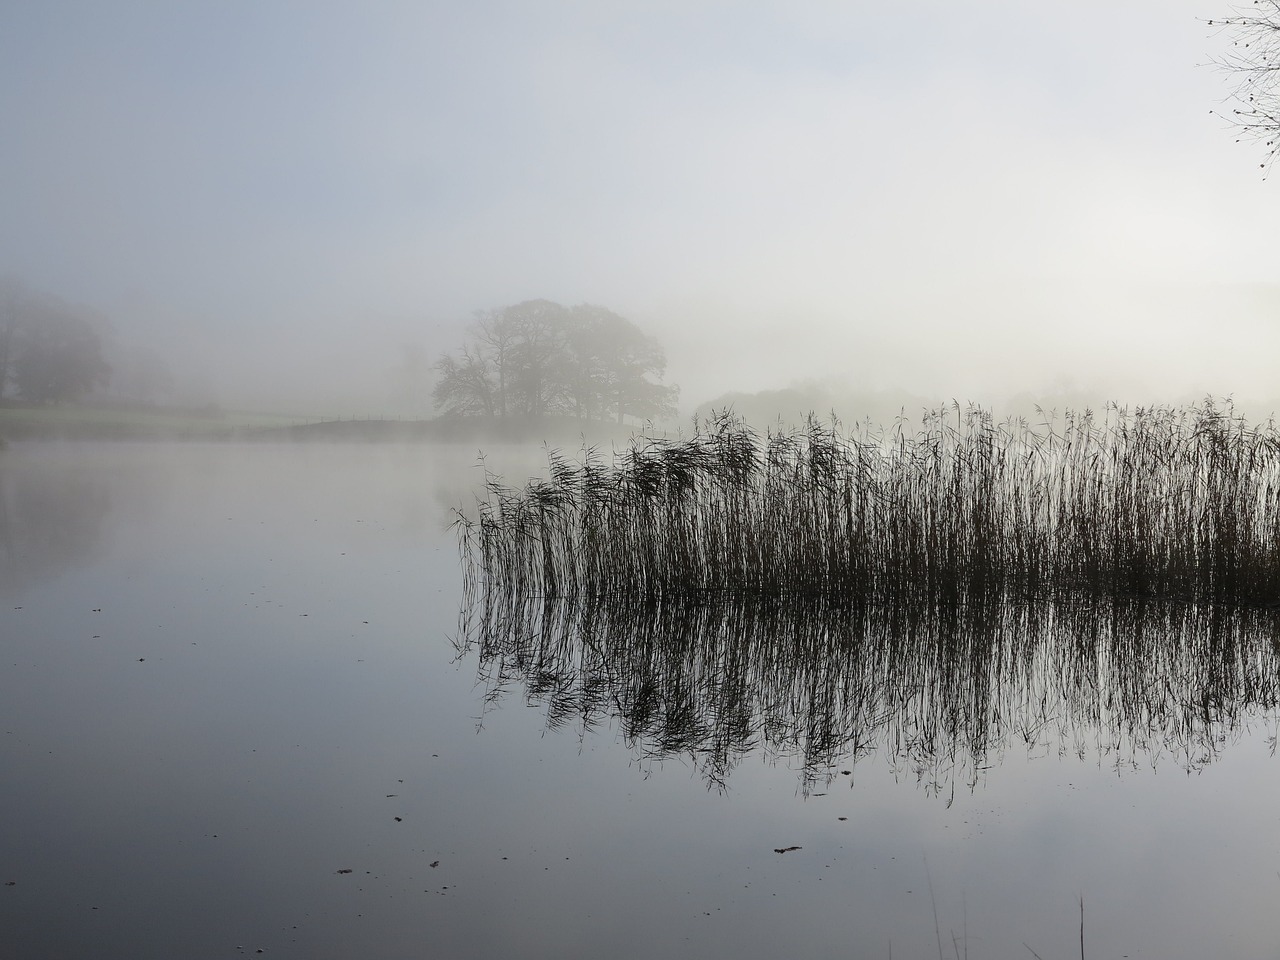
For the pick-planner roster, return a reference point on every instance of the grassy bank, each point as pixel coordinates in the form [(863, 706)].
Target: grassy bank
[(138, 423), (127, 423)]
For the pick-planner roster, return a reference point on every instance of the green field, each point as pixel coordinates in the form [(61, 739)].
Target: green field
[(119, 423), (125, 423)]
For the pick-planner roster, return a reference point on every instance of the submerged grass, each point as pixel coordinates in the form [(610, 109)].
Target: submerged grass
[(1152, 503)]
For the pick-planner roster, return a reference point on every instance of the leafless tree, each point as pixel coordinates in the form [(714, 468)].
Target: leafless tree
[(1254, 59)]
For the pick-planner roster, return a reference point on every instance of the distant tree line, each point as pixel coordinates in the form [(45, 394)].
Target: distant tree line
[(539, 359), (49, 352)]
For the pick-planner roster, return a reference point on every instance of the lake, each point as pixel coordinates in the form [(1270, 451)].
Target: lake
[(238, 714)]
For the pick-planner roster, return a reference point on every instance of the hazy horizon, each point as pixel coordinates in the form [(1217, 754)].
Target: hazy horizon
[(281, 200)]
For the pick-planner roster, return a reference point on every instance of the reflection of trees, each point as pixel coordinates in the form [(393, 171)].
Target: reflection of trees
[(50, 519), (940, 691)]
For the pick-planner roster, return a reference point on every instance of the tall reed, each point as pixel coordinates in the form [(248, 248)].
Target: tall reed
[(1151, 503)]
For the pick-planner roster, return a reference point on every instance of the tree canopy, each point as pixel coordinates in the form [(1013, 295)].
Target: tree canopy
[(538, 359), (49, 352)]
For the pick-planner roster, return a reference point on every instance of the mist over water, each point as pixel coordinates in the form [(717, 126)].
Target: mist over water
[(299, 210)]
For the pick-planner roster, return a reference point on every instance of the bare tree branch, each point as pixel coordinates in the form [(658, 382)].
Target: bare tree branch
[(1254, 59)]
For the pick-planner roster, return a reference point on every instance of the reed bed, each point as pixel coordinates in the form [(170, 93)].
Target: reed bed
[(1090, 584), (1156, 503)]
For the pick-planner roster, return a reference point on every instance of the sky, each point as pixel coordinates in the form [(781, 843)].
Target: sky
[(284, 200)]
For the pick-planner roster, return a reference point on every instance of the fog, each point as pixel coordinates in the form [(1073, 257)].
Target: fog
[(298, 206)]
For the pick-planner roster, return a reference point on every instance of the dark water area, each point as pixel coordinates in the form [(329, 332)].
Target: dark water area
[(230, 674)]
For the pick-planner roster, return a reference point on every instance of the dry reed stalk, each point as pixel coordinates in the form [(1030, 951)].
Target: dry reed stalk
[(1156, 503)]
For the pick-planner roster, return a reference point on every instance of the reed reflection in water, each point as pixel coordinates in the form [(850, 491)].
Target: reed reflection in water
[(1098, 587), (939, 692)]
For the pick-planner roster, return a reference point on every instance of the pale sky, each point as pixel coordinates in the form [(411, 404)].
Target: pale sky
[(954, 198)]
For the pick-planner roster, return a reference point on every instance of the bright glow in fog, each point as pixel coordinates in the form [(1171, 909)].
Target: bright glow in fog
[(969, 201)]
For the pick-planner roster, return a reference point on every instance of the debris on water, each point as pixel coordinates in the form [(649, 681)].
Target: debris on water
[(11, 883), (390, 795), (346, 870), (399, 819), (435, 863), (142, 659), (847, 773), (842, 818), (786, 849)]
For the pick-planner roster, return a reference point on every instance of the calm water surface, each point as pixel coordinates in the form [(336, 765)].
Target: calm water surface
[(233, 718)]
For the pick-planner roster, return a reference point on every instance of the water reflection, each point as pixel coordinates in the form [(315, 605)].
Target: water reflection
[(939, 691), (51, 519)]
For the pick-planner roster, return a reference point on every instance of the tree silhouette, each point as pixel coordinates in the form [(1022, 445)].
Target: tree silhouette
[(536, 359), (1254, 58), (49, 352)]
